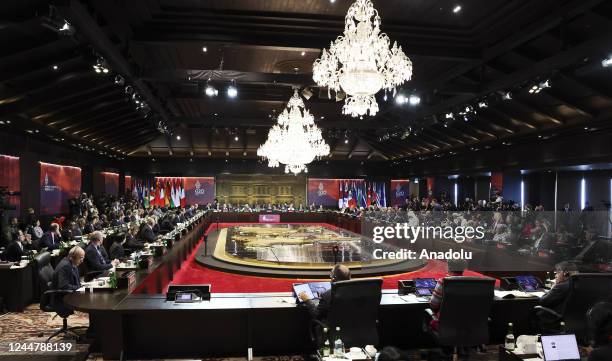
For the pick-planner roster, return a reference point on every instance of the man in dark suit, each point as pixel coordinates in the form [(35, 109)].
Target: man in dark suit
[(318, 308), (146, 233), (16, 249), (66, 275), (555, 298), (96, 258), (52, 238)]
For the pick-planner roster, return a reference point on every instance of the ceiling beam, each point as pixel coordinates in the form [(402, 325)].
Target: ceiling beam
[(76, 13), (204, 75), (221, 121)]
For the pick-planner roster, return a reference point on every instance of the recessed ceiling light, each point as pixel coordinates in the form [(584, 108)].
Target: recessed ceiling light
[(303, 53), (216, 114), (457, 9), (204, 49), (178, 137), (236, 138), (55, 67), (607, 61), (346, 141)]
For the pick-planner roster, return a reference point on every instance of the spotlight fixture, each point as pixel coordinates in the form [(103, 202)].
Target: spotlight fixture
[(178, 137), (414, 100), (482, 104), (400, 99), (129, 90), (303, 53), (346, 141), (55, 67), (66, 29), (507, 96), (457, 9), (211, 91), (607, 62), (100, 66), (449, 115), (204, 49), (119, 80), (536, 88), (232, 92)]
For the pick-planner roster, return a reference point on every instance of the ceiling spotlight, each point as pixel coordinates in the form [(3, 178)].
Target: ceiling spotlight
[(129, 90), (236, 138), (457, 9), (66, 29), (211, 91), (100, 66), (119, 80), (607, 62), (346, 140), (449, 116), (414, 100), (507, 96), (232, 92), (469, 109), (209, 153), (303, 53), (400, 99), (482, 104), (204, 49), (55, 67), (178, 137)]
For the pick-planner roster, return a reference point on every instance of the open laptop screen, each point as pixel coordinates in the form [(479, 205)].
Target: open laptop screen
[(560, 348)]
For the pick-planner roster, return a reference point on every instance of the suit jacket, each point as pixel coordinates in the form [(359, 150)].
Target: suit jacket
[(318, 308), (555, 298), (146, 234), (96, 261), (89, 228), (50, 240), (14, 251), (132, 243), (116, 251), (66, 276)]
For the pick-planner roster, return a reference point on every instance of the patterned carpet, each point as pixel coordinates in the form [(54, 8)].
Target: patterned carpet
[(34, 324)]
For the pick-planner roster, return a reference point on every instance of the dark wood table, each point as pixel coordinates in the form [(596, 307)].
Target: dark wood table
[(16, 287)]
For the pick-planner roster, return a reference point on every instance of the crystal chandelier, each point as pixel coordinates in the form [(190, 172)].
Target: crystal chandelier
[(295, 140), (360, 61)]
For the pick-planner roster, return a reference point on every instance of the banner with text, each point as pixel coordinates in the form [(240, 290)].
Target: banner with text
[(9, 180), (58, 183), (400, 191)]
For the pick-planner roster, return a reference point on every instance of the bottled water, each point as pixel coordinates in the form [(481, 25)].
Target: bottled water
[(338, 344), (509, 343)]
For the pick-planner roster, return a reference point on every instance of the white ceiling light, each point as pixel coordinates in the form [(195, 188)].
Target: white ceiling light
[(414, 100), (607, 61), (232, 92), (457, 9), (360, 62)]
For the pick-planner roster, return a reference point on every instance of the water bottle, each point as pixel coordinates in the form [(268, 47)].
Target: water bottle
[(509, 343), (562, 328), (338, 344), (326, 350)]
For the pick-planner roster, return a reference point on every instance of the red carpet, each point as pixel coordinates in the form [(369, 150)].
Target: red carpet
[(192, 272)]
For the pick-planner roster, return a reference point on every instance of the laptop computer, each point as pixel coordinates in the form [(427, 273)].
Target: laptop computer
[(560, 348), (424, 286), (313, 289), (528, 283)]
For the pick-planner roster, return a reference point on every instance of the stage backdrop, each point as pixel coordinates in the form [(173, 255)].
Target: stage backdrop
[(111, 183), (58, 183), (325, 192), (128, 183), (400, 191), (200, 190), (172, 191), (9, 179)]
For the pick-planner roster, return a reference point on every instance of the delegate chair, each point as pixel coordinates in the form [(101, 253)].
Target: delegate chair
[(51, 299), (463, 318), (585, 290), (354, 308)]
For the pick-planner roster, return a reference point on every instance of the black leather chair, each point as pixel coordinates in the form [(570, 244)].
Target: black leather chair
[(585, 290), (354, 308), (51, 300), (463, 318)]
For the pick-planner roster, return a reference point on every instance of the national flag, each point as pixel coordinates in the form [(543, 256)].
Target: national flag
[(341, 196), (145, 198), (183, 198), (167, 193), (172, 195), (162, 197)]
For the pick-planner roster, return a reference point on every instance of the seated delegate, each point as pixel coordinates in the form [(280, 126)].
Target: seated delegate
[(96, 258), (318, 308)]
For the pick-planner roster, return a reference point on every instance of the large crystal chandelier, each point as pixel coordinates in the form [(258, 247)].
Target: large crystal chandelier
[(295, 140), (360, 61)]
